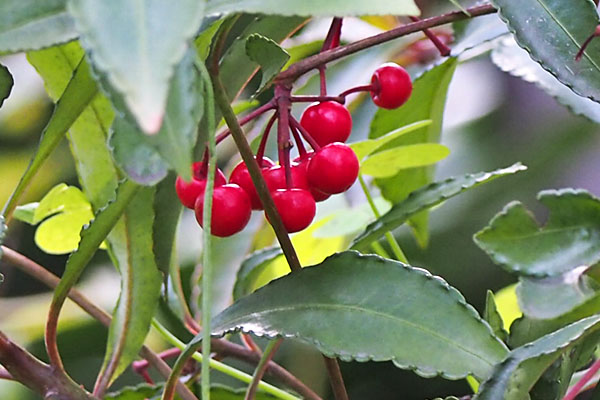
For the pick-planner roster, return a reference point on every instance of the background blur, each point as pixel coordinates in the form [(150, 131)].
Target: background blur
[(491, 120)]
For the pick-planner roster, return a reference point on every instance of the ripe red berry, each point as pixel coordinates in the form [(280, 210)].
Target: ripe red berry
[(275, 177), (230, 210), (303, 163), (327, 122), (394, 86), (241, 177), (188, 192), (333, 169), (296, 207)]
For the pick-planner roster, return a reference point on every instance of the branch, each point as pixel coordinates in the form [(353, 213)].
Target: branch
[(301, 67)]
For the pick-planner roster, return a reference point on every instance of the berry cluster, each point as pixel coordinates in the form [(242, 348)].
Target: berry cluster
[(295, 185)]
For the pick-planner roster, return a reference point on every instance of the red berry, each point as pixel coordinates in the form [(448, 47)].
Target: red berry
[(188, 192), (296, 207), (333, 169), (241, 177), (275, 177), (230, 210), (394, 84), (303, 163), (327, 122)]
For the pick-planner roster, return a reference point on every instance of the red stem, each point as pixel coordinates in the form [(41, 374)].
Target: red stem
[(270, 105), (372, 87), (313, 143), (260, 153), (250, 344), (586, 43), (142, 365), (298, 140), (582, 382), (282, 94), (311, 99), (332, 40), (442, 48)]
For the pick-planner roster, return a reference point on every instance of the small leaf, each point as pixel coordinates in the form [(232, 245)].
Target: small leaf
[(6, 83), (388, 162), (368, 146), (552, 32), (426, 198), (26, 213), (427, 102), (514, 240), (61, 198), (350, 220), (514, 377), (251, 269), (33, 24), (140, 392), (545, 298), (140, 285), (151, 36), (492, 317), (512, 59), (268, 54), (338, 307), (205, 38), (317, 8)]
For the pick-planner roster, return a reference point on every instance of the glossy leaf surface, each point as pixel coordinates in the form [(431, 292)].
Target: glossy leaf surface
[(268, 54)]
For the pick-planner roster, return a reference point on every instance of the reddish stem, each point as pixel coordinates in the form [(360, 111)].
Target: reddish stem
[(583, 381), (372, 87), (282, 94), (586, 43), (332, 40), (250, 344), (298, 140), (320, 99), (260, 153), (270, 105), (141, 366), (442, 48), (4, 374), (313, 143)]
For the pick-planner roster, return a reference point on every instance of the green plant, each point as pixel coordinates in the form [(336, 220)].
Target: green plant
[(143, 91)]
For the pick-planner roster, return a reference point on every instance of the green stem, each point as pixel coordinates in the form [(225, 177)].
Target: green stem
[(267, 356), (221, 367), (206, 218), (378, 248), (396, 249)]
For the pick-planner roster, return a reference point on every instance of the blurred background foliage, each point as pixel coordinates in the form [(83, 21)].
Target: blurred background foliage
[(491, 120)]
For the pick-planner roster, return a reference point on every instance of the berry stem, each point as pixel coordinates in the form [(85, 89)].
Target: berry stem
[(335, 378), (322, 81), (260, 153), (320, 99), (372, 87), (586, 43), (332, 40), (442, 48), (311, 141), (261, 368), (282, 94), (270, 105), (396, 249), (583, 381), (249, 343), (298, 140)]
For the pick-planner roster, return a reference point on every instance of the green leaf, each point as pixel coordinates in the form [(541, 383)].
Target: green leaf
[(61, 198), (351, 220), (3, 229), (139, 52), (474, 32), (493, 317), (6, 83), (144, 157), (545, 298), (512, 59), (569, 239), (514, 377), (77, 95), (167, 209), (140, 285), (140, 392), (268, 54), (355, 307), (33, 24), (204, 39), (552, 32), (251, 269), (317, 8), (426, 103), (426, 198), (365, 147), (388, 162)]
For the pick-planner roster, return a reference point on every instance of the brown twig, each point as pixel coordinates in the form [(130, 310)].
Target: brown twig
[(335, 378), (259, 372), (442, 48)]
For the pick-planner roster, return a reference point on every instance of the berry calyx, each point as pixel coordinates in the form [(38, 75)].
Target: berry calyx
[(393, 86), (333, 168), (188, 192), (296, 207), (230, 210), (240, 176), (327, 122)]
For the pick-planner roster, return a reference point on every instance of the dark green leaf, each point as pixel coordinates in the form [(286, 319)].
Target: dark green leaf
[(426, 103), (139, 392), (568, 240), (6, 83), (514, 377), (331, 8), (140, 50), (388, 162), (33, 24), (140, 284), (174, 142), (493, 317), (552, 31), (268, 54), (512, 59), (426, 198), (251, 269), (551, 297), (167, 209), (204, 39), (358, 307)]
